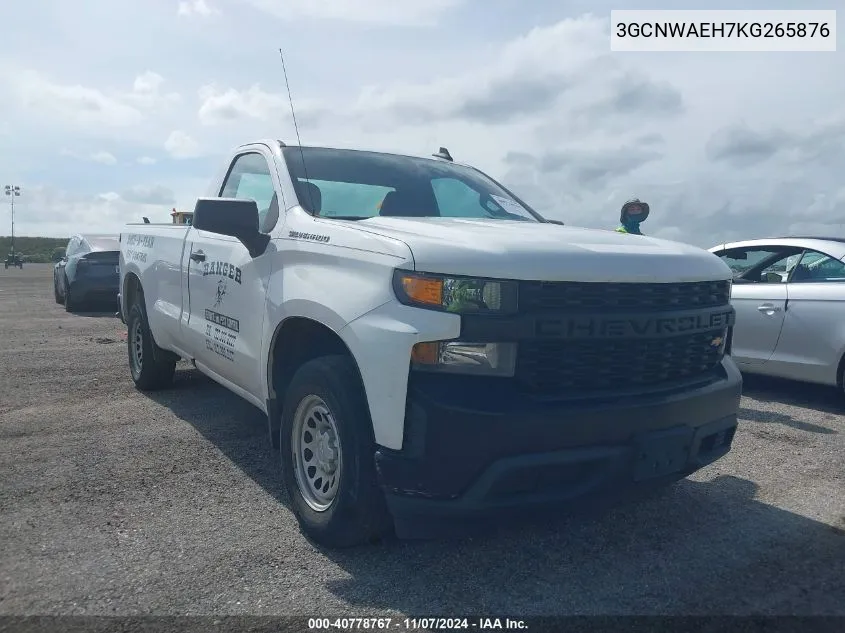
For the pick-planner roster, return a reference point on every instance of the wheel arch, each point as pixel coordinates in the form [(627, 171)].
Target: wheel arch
[(131, 289), (295, 341)]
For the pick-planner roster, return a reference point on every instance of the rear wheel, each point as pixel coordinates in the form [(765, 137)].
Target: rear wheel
[(56, 294), (151, 367), (327, 455), (840, 377), (70, 303)]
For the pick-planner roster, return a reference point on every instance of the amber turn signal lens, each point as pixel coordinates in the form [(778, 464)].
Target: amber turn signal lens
[(425, 353), (422, 290)]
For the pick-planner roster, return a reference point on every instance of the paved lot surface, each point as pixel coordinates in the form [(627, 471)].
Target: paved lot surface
[(113, 502)]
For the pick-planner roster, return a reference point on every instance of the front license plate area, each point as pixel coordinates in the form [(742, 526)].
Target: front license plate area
[(662, 453)]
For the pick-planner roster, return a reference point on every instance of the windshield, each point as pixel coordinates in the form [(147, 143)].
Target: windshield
[(353, 184)]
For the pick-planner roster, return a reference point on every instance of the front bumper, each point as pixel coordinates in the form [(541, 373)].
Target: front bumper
[(473, 450)]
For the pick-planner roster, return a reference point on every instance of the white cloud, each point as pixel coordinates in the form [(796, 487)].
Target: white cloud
[(180, 145), (721, 146), (102, 157), (149, 194), (78, 105), (147, 83), (57, 212), (146, 93), (395, 12), (224, 106), (197, 7), (74, 103)]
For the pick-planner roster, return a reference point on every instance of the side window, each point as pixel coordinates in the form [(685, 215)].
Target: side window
[(249, 178), (818, 267), (778, 271), (741, 260)]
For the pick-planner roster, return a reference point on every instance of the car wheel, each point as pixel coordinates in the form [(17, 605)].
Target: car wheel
[(56, 292), (150, 366), (70, 304), (327, 454)]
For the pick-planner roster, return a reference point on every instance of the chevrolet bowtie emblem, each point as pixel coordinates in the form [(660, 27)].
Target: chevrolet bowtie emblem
[(716, 341)]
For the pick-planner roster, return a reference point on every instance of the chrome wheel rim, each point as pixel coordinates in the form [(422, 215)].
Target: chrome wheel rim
[(317, 457), (136, 347)]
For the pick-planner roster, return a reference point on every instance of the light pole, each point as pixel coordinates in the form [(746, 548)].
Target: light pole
[(12, 191)]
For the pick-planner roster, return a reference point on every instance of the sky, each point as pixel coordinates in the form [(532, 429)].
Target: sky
[(113, 110)]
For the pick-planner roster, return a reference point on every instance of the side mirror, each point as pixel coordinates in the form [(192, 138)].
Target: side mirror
[(234, 217)]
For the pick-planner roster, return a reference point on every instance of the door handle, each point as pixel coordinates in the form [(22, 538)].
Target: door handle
[(198, 256), (768, 307)]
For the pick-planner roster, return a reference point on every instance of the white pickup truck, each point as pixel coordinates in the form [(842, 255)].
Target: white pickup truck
[(427, 348)]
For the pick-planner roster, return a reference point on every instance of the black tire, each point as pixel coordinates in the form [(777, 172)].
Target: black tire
[(70, 304), (357, 514), (56, 294), (153, 367)]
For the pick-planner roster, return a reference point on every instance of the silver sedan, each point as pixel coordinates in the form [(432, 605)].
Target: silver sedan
[(789, 297)]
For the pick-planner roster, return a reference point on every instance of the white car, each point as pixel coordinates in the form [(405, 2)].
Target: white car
[(789, 297)]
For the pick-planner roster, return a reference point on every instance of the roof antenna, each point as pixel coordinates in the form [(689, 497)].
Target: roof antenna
[(146, 220), (296, 128), (444, 154)]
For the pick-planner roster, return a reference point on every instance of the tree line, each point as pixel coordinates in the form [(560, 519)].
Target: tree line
[(36, 250)]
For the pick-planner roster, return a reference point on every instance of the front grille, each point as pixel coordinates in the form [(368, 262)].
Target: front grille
[(539, 296), (579, 368)]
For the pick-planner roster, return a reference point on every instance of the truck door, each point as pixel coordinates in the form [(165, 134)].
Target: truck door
[(227, 287)]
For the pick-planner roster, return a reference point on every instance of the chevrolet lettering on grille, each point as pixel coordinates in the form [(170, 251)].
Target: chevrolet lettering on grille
[(586, 326)]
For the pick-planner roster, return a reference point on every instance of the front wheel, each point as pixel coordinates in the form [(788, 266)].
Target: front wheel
[(150, 366), (327, 455)]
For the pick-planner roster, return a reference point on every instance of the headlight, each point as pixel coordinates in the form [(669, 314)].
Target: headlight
[(460, 357), (462, 295)]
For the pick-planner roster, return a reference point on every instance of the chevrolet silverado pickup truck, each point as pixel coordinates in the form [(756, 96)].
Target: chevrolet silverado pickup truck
[(428, 349)]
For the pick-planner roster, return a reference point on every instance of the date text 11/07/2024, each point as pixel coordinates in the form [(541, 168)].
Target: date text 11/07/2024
[(415, 624)]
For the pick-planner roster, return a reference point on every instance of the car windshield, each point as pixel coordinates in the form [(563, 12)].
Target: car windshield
[(354, 184)]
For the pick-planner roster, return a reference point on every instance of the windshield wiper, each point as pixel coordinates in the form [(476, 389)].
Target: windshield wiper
[(345, 217)]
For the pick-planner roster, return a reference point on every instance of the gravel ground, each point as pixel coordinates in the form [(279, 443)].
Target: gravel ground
[(114, 502)]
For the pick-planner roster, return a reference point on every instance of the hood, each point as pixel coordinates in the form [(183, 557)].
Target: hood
[(507, 249)]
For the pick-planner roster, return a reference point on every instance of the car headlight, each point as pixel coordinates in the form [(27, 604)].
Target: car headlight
[(461, 295), (461, 357)]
